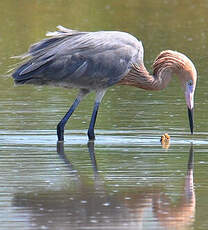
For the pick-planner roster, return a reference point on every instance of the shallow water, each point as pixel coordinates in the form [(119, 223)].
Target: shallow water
[(126, 179), (123, 180)]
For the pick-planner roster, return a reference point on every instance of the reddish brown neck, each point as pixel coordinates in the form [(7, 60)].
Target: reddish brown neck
[(139, 77), (167, 63)]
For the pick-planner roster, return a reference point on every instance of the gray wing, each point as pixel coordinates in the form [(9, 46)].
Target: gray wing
[(80, 59)]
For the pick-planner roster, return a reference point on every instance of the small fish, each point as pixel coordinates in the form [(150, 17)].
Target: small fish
[(165, 140), (165, 137)]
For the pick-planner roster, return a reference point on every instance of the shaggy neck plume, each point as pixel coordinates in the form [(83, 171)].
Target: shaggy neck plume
[(167, 63)]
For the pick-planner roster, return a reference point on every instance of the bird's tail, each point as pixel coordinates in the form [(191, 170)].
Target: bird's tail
[(18, 77), (40, 55)]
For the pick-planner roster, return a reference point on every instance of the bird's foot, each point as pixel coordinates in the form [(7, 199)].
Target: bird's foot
[(91, 135)]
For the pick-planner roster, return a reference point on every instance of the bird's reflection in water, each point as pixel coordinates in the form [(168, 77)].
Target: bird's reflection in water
[(95, 204), (90, 145), (183, 213), (91, 150)]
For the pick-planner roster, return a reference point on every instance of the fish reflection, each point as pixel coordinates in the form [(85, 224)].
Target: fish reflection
[(96, 204), (165, 141), (165, 144)]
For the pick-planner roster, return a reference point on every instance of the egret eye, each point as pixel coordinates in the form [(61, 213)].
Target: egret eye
[(190, 83)]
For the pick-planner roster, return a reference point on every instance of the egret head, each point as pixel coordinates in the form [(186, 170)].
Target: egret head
[(188, 78), (170, 62)]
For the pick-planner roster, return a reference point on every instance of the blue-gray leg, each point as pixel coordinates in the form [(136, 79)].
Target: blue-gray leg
[(62, 123), (99, 96), (91, 134)]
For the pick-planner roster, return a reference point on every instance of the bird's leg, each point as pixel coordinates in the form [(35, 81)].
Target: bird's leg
[(62, 123), (99, 96)]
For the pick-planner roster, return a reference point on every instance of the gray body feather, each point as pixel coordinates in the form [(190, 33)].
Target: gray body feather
[(85, 60)]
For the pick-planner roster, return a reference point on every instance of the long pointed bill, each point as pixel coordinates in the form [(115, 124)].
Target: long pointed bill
[(189, 94), (191, 119)]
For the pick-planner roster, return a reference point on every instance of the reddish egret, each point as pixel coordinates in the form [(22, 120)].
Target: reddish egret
[(94, 61)]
